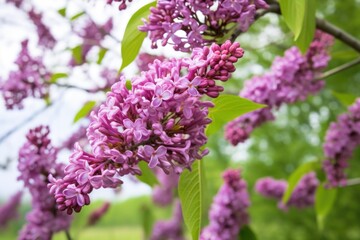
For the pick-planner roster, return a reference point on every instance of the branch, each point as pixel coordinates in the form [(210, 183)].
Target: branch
[(68, 236), (339, 69), (321, 24), (72, 86)]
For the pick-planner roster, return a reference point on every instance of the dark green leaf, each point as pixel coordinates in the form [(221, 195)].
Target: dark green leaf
[(297, 175), (147, 176), (345, 98), (62, 12), (227, 108), (246, 233), (133, 38), (76, 16), (56, 76), (84, 111), (192, 194), (102, 54), (324, 202), (147, 218), (77, 54)]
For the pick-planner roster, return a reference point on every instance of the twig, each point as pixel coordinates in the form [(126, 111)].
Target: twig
[(339, 69), (72, 86), (68, 236)]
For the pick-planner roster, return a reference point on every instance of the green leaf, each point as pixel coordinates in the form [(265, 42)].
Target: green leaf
[(77, 54), (299, 15), (324, 202), (345, 98), (133, 38), (192, 195), (128, 84), (147, 218), (246, 233), (102, 54), (56, 76), (297, 175), (227, 108), (84, 111), (147, 176), (76, 16), (62, 12)]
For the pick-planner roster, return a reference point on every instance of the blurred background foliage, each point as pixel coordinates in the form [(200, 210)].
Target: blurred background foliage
[(275, 149)]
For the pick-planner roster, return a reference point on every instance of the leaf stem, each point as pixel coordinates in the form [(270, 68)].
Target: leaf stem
[(339, 69), (68, 236)]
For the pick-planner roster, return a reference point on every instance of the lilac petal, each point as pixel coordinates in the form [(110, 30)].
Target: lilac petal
[(158, 90), (161, 151), (128, 123), (166, 95), (183, 83), (80, 200), (137, 135), (187, 112), (156, 102), (196, 81), (69, 193), (148, 150), (96, 181), (193, 91), (153, 162), (83, 178)]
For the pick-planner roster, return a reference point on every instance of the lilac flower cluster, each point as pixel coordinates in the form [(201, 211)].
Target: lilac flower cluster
[(92, 34), (171, 229), (17, 3), (9, 210), (37, 159), (161, 121), (144, 59), (96, 215), (342, 137), (228, 212), (122, 5), (302, 196), (29, 80), (46, 39), (163, 194), (292, 78), (188, 24)]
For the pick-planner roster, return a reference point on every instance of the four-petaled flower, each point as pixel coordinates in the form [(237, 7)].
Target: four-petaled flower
[(72, 192), (137, 128), (154, 155), (160, 95), (190, 85)]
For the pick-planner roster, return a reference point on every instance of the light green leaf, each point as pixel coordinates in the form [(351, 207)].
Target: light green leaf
[(345, 98), (297, 175), (246, 233), (147, 176), (62, 12), (76, 16), (77, 54), (56, 76), (102, 54), (128, 84), (133, 38), (84, 111), (147, 218), (227, 108), (192, 195), (324, 202), (299, 15)]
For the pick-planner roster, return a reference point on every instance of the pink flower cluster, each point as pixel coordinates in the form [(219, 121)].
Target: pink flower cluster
[(228, 211), (46, 39), (30, 79), (302, 196), (163, 194), (122, 5), (292, 78), (144, 59), (161, 121), (92, 34), (188, 24), (17, 3), (171, 229), (37, 159), (342, 137), (9, 210)]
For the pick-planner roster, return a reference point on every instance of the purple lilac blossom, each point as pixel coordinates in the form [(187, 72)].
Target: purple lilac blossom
[(292, 78), (163, 194), (9, 210), (342, 137), (122, 5), (228, 212), (17, 3), (30, 79), (188, 24), (302, 196), (171, 229), (46, 39), (161, 121), (96, 215), (92, 34), (37, 159), (144, 59)]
